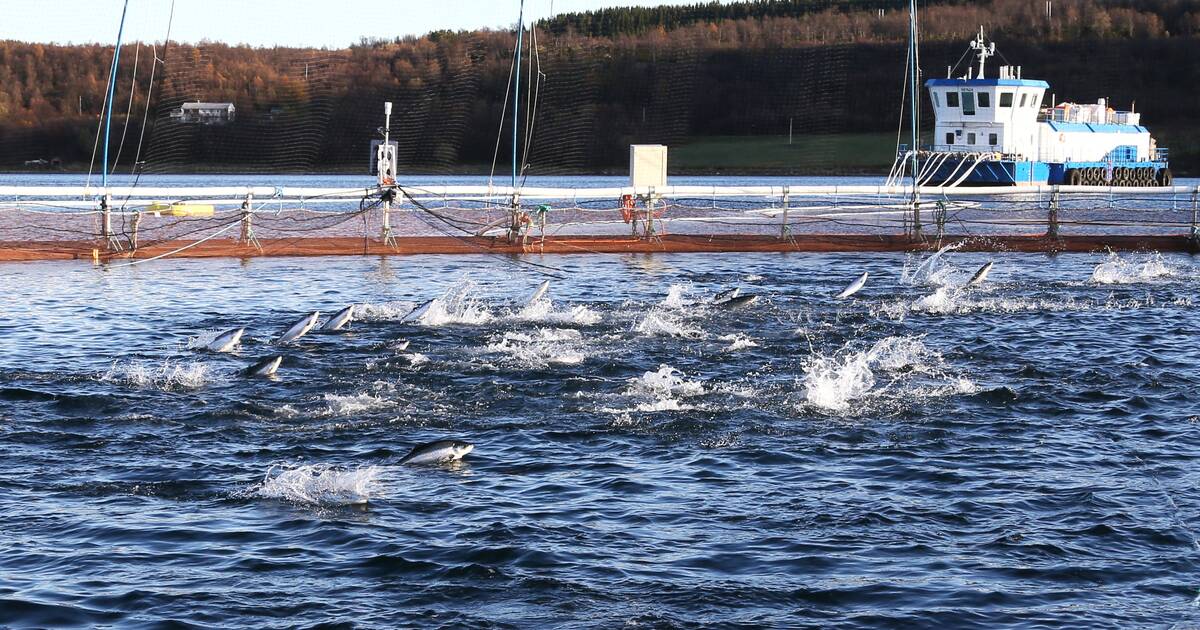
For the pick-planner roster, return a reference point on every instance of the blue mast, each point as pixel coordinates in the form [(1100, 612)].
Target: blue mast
[(112, 88), (516, 93)]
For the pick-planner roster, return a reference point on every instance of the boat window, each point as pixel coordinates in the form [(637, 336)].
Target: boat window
[(951, 99), (1034, 101), (936, 102), (1006, 99), (970, 138), (968, 102), (1023, 97), (992, 139), (985, 99), (949, 137)]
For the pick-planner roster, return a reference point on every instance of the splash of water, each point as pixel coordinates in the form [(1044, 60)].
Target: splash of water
[(168, 375), (456, 306), (202, 339), (832, 383), (1117, 270), (666, 381), (384, 311), (935, 270), (339, 405), (662, 323), (542, 311), (738, 342), (675, 297), (319, 484), (541, 347)]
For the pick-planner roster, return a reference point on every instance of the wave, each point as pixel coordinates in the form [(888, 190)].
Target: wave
[(167, 375), (319, 484)]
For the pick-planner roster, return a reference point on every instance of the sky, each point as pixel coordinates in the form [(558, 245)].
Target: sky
[(328, 23)]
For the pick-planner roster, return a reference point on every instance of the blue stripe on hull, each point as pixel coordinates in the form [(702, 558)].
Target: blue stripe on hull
[(1014, 173), (992, 173)]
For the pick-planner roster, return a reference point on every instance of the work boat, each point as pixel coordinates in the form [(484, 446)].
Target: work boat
[(995, 132)]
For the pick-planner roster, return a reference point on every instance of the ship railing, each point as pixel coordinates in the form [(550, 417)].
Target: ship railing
[(1161, 154)]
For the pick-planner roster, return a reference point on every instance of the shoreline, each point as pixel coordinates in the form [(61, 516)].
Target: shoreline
[(19, 251)]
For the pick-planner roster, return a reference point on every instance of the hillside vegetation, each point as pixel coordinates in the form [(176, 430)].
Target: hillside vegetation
[(707, 74)]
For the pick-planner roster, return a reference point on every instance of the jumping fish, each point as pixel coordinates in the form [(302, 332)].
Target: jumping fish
[(740, 300), (418, 312), (265, 367), (854, 287), (227, 340), (438, 452), (300, 328), (726, 295), (980, 275), (539, 292), (343, 317)]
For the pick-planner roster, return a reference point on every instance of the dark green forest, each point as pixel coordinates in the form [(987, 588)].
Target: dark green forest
[(682, 76)]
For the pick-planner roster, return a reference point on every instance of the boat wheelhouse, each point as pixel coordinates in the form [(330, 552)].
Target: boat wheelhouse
[(995, 132)]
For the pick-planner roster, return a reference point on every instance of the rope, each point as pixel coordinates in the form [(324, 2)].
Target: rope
[(181, 249)]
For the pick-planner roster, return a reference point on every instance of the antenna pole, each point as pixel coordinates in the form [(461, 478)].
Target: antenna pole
[(112, 88), (387, 175)]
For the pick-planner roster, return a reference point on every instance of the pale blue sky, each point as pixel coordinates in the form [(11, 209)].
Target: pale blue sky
[(332, 23)]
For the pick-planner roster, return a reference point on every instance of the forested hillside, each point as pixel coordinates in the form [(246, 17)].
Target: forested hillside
[(677, 75)]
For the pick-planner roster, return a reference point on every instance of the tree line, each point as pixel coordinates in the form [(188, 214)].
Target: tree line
[(606, 79)]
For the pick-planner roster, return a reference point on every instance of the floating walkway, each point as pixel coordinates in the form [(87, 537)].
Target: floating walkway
[(152, 222)]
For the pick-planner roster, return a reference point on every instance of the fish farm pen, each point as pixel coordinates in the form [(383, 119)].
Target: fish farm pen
[(75, 222)]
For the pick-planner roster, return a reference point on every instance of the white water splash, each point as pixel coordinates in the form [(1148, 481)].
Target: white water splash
[(738, 342), (168, 375), (542, 311), (384, 311), (675, 297), (662, 323), (456, 306), (665, 382), (319, 484), (541, 347), (339, 405), (202, 339), (1117, 270), (832, 383), (660, 390), (936, 270)]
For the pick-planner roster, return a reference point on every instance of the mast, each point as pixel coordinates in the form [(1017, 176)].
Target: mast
[(514, 224), (517, 94), (913, 69), (112, 87)]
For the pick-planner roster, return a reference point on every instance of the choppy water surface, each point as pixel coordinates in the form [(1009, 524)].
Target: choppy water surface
[(1019, 453)]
